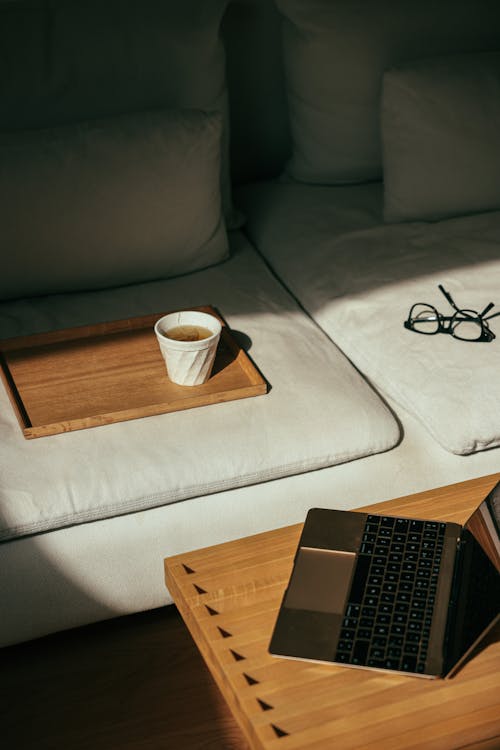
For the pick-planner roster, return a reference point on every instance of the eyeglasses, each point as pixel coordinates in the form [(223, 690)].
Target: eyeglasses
[(464, 324)]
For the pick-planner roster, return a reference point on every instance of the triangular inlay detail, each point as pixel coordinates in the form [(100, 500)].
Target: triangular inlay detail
[(279, 732), (236, 655), (188, 569), (199, 589), (264, 706), (224, 633), (250, 680), (211, 611)]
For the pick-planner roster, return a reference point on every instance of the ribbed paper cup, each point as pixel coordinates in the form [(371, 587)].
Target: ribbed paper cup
[(188, 362)]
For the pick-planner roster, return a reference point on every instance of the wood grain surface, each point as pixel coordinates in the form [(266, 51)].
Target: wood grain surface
[(110, 372), (229, 597)]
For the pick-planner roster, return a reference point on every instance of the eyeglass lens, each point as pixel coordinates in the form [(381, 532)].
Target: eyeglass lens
[(425, 319), (467, 329)]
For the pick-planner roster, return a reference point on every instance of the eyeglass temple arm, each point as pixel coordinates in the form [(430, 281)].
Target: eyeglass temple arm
[(452, 303), (495, 315), (487, 309), (448, 297)]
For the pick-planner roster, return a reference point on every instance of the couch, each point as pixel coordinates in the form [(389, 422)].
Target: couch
[(312, 169)]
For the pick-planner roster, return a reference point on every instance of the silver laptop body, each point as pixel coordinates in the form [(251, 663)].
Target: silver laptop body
[(383, 592)]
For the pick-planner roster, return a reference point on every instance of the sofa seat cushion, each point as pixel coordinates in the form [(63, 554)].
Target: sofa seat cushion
[(360, 284), (319, 410)]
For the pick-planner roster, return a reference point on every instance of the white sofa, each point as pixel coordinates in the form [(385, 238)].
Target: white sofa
[(111, 207)]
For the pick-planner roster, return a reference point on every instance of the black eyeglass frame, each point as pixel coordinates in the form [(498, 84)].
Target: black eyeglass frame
[(448, 323)]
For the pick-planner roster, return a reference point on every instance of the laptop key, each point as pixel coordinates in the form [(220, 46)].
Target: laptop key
[(352, 610), (347, 635), (398, 629), (396, 640), (401, 524), (344, 646), (377, 663), (411, 648), (360, 652), (409, 663), (387, 521), (359, 580), (383, 619), (349, 622), (409, 565), (365, 633), (342, 657), (391, 664), (366, 622)]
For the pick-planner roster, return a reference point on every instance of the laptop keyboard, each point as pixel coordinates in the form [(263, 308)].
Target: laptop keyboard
[(388, 617)]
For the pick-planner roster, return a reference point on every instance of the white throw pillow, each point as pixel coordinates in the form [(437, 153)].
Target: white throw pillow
[(110, 202), (441, 137), (335, 53)]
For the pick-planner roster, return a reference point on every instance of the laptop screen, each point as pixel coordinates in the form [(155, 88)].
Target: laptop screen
[(476, 604), (484, 525)]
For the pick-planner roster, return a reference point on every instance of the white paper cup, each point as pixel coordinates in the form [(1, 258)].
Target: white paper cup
[(188, 362)]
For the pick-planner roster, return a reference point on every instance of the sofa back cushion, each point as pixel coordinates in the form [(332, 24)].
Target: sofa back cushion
[(110, 202), (441, 137), (335, 54), (64, 62)]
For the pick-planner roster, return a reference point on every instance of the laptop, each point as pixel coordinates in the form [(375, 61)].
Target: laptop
[(399, 594)]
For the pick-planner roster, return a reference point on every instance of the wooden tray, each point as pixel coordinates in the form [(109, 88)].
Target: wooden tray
[(111, 372)]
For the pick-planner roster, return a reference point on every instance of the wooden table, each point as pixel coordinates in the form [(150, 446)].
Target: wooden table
[(229, 596)]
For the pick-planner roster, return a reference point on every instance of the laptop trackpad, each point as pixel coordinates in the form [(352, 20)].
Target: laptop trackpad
[(320, 580)]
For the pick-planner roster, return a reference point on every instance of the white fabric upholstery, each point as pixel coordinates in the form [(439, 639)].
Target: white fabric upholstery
[(359, 286), (319, 411), (93, 571)]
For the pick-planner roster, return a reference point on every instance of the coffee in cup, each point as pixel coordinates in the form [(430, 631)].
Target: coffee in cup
[(188, 342), (188, 333)]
